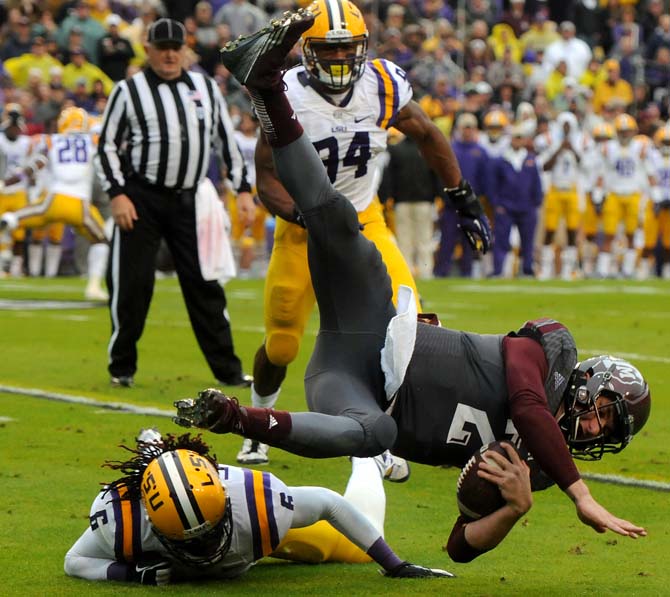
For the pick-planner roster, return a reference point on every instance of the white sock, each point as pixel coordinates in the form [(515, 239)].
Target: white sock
[(35, 259), (603, 264), (52, 263), (547, 262), (263, 401), (629, 261), (97, 260), (665, 271), (365, 491), (477, 270), (568, 262), (16, 266)]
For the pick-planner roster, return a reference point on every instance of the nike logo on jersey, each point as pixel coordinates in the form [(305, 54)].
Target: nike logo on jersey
[(362, 118), (272, 422), (558, 380)]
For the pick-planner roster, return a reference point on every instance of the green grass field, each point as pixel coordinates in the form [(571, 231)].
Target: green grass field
[(50, 451)]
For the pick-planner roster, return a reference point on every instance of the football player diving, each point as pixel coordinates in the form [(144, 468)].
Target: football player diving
[(379, 379), (177, 515), (346, 104)]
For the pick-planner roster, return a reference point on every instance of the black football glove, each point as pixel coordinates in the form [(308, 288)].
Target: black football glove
[(407, 570), (471, 217), (152, 572)]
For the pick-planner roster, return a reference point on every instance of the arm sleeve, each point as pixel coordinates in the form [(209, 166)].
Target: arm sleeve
[(458, 548), (526, 369), (232, 156), (87, 559), (313, 504), (111, 137)]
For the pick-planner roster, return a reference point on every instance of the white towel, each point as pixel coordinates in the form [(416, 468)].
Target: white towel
[(215, 253), (400, 339)]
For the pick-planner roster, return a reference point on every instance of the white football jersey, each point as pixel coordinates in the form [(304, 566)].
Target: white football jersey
[(70, 164), (661, 170), (625, 167), (567, 172), (351, 137), (14, 155), (247, 147), (262, 509)]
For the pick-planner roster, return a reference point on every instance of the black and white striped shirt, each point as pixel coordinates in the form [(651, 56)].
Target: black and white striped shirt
[(163, 132)]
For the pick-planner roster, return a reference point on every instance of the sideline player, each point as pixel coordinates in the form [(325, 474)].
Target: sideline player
[(377, 379), (179, 515), (68, 156), (346, 104)]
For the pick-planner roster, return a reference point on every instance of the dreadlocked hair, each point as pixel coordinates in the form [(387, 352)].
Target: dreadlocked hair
[(128, 487)]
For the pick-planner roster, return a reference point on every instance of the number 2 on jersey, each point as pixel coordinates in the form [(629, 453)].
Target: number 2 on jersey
[(358, 154), (72, 149)]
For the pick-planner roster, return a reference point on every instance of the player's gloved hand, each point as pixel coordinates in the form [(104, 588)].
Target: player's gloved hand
[(152, 571), (471, 217), (212, 409), (407, 570), (297, 218)]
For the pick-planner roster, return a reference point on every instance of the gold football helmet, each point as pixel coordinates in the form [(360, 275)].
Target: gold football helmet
[(495, 123), (188, 507), (335, 47), (73, 120), (626, 128), (603, 131), (662, 139)]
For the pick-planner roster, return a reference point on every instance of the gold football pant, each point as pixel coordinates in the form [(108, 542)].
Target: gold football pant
[(289, 296), (561, 204), (621, 208), (81, 215)]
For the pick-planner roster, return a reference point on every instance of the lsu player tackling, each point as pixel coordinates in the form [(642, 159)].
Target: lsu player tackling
[(68, 159), (178, 515), (346, 104)]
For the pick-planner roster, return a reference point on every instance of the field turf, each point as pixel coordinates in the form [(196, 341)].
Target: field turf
[(51, 451)]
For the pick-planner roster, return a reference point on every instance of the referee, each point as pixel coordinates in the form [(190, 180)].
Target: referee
[(158, 132)]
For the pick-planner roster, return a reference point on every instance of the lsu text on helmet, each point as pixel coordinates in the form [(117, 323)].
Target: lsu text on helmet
[(335, 47), (73, 120), (611, 389), (188, 507)]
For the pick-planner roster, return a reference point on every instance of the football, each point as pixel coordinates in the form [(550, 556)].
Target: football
[(475, 496)]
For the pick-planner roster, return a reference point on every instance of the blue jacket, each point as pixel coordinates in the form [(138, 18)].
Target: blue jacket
[(473, 160), (514, 190)]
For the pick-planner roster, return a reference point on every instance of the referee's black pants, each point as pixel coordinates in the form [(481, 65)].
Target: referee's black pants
[(164, 213)]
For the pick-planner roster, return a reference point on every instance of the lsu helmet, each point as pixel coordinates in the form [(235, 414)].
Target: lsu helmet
[(73, 120), (495, 122), (662, 139), (625, 127), (612, 389), (603, 131), (338, 24), (188, 507)]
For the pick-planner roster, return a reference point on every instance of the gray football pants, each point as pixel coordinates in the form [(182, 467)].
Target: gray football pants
[(344, 383)]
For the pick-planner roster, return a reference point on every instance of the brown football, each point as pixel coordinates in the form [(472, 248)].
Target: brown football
[(477, 497)]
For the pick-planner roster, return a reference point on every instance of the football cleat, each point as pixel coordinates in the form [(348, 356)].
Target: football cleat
[(407, 570), (122, 381), (242, 380), (392, 468), (212, 410), (95, 292), (256, 60), (253, 452)]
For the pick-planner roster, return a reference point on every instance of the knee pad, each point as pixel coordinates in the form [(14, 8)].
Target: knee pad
[(380, 435), (282, 348)]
